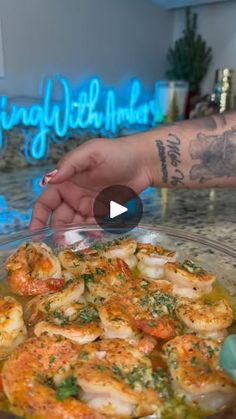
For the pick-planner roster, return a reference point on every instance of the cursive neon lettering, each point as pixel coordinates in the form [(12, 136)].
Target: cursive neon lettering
[(92, 109)]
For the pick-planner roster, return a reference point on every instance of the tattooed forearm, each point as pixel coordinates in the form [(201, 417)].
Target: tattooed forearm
[(195, 153), (208, 123), (169, 154), (173, 152), (216, 155), (211, 122), (162, 156)]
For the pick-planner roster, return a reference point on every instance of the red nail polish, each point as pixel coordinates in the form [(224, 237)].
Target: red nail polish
[(46, 179)]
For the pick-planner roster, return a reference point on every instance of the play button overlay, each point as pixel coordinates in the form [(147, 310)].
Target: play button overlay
[(117, 209)]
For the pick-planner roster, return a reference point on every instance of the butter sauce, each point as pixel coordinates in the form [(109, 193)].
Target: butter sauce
[(178, 405)]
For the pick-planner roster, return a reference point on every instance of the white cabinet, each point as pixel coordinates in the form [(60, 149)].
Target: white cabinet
[(174, 4)]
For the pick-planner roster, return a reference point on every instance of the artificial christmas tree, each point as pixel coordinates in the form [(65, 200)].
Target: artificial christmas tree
[(190, 57)]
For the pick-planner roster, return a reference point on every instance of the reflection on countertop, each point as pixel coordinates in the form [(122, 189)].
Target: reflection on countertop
[(209, 212)]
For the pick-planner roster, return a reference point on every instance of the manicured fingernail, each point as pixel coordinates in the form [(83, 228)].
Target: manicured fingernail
[(46, 179)]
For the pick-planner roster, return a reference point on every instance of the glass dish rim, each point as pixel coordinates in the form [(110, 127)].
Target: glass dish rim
[(27, 234)]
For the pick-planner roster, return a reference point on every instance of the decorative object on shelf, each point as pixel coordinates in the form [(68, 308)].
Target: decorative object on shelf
[(170, 100), (173, 110), (223, 90), (190, 57), (202, 106)]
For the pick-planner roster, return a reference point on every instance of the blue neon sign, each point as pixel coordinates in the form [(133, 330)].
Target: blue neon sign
[(91, 108)]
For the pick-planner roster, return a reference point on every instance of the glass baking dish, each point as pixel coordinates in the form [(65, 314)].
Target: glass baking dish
[(213, 256)]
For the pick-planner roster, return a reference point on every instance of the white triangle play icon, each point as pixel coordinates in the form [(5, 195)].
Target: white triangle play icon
[(116, 209)]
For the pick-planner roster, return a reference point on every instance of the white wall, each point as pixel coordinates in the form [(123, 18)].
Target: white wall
[(115, 39), (217, 24)]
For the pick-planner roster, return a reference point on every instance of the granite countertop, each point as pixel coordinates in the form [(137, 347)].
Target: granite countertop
[(209, 212)]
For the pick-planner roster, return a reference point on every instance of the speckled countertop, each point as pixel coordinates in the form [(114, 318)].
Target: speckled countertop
[(208, 212)]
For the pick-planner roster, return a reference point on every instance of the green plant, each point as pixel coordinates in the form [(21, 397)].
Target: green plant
[(190, 57)]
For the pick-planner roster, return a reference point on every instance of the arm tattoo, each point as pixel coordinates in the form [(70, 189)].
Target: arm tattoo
[(170, 153), (216, 155), (162, 156)]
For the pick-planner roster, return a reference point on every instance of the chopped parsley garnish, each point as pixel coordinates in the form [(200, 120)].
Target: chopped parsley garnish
[(196, 345), (59, 318), (152, 323), (52, 359), (97, 246), (159, 303), (45, 379), (120, 276), (173, 363), (100, 271), (80, 255), (191, 267), (67, 388), (47, 307), (194, 361), (144, 284), (139, 377), (210, 351), (162, 383), (106, 245), (87, 315), (88, 278), (100, 367), (84, 355), (117, 371)]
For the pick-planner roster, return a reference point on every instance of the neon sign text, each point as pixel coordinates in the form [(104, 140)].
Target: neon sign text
[(92, 108)]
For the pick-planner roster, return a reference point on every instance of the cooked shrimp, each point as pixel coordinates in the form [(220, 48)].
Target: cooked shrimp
[(152, 258), (144, 344), (155, 304), (144, 287), (73, 262), (38, 380), (77, 322), (188, 279), (194, 367), (49, 303), (116, 379), (104, 277), (33, 269), (209, 319), (147, 310), (116, 320), (120, 248), (12, 328)]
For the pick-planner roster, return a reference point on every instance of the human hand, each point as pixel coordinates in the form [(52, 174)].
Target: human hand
[(84, 172)]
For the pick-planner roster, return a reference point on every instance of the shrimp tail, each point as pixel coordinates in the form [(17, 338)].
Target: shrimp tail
[(122, 265), (35, 287), (162, 328)]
